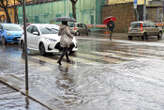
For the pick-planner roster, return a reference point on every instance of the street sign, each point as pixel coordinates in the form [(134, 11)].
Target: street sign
[(135, 4)]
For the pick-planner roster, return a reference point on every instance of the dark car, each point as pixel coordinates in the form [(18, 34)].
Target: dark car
[(79, 28)]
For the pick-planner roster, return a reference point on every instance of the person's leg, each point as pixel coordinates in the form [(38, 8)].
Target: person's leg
[(67, 50), (71, 47), (62, 55), (111, 35)]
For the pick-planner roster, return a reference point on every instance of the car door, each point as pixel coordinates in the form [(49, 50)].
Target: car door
[(80, 28), (29, 36), (152, 29), (149, 29), (35, 37), (156, 30)]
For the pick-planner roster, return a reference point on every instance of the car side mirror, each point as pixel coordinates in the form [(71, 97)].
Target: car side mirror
[(36, 33)]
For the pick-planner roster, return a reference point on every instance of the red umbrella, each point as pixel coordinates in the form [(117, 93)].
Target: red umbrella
[(110, 18)]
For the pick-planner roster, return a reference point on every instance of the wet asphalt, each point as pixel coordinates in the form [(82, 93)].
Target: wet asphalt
[(104, 74)]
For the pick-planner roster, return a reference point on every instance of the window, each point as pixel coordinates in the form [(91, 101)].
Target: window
[(48, 30), (80, 25), (58, 15), (135, 25), (12, 27), (34, 29), (29, 29)]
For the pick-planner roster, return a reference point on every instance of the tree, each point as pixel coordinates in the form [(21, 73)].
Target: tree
[(4, 5), (74, 7), (20, 2)]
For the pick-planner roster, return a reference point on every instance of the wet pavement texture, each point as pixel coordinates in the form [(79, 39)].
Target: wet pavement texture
[(13, 100), (116, 75)]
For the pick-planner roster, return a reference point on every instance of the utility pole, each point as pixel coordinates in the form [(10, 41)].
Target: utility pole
[(25, 44), (144, 11), (135, 9)]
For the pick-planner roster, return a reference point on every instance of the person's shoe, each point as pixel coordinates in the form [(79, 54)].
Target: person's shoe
[(59, 62), (68, 61), (71, 62)]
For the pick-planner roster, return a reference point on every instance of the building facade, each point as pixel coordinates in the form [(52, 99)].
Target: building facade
[(139, 2), (125, 12), (87, 11)]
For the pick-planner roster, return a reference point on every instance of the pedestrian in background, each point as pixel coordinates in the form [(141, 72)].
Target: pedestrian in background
[(65, 41), (110, 26)]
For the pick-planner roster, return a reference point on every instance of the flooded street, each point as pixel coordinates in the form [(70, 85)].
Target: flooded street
[(12, 100), (115, 75)]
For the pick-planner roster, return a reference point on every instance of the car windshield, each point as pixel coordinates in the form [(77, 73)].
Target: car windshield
[(135, 25), (71, 24), (12, 27), (48, 30)]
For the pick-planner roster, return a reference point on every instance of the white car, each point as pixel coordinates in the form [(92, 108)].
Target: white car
[(44, 38)]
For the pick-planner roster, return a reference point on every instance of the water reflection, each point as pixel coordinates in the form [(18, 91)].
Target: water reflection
[(27, 103), (66, 85)]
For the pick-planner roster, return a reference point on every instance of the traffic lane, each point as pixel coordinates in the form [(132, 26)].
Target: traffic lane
[(121, 36), (91, 51)]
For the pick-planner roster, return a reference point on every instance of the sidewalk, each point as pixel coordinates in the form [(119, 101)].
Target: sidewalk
[(124, 36), (11, 99), (120, 36)]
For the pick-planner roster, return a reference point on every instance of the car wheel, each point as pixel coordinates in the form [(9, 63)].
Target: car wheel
[(159, 35), (130, 37), (42, 49), (4, 41), (87, 33), (145, 37), (22, 46), (142, 37)]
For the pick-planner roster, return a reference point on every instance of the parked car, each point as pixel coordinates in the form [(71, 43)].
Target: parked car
[(144, 29), (79, 28), (10, 33), (44, 38)]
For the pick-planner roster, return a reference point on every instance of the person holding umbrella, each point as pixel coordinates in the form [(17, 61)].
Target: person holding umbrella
[(109, 21), (66, 38)]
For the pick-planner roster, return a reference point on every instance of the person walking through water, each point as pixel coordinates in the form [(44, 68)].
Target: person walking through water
[(110, 26), (65, 41)]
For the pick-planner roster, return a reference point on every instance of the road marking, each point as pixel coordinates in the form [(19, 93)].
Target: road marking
[(155, 44), (99, 58), (90, 59), (112, 55)]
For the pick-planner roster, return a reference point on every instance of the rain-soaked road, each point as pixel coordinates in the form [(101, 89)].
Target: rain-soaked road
[(115, 75)]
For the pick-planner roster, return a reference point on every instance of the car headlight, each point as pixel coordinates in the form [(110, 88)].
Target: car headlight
[(8, 34)]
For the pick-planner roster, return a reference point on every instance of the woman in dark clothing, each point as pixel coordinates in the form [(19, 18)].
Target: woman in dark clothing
[(110, 26), (65, 41)]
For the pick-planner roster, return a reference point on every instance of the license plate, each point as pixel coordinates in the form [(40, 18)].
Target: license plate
[(134, 30)]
